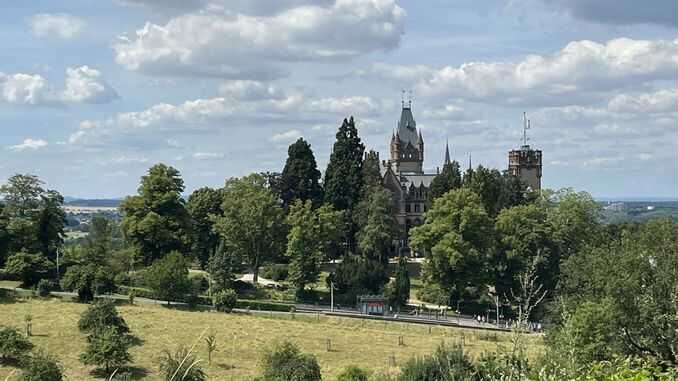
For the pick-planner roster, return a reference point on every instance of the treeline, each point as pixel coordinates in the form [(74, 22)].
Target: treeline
[(604, 290)]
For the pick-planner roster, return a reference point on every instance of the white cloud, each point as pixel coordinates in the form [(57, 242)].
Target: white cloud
[(250, 90), (59, 25), (86, 85), (286, 137), (356, 105), (23, 88), (29, 144), (127, 160), (583, 71), (208, 155), (446, 112), (258, 46), (249, 7), (662, 100), (82, 85)]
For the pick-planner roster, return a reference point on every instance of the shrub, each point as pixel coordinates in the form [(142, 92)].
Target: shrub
[(122, 279), (108, 348), (446, 364), (225, 300), (44, 287), (182, 365), (42, 367), (276, 272), (28, 268), (87, 281), (353, 373), (100, 315), (168, 277), (13, 344), (286, 362)]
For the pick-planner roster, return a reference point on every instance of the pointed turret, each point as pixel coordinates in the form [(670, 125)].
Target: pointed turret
[(447, 153)]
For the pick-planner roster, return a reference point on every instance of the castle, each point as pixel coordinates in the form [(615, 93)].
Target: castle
[(403, 174)]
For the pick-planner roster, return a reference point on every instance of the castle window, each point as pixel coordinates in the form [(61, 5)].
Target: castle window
[(407, 208), (416, 208)]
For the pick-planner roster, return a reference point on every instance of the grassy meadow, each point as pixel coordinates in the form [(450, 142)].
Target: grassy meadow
[(240, 338)]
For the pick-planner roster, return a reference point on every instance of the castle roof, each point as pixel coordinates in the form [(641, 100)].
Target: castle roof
[(417, 180), (407, 127)]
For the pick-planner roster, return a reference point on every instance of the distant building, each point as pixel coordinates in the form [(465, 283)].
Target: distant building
[(403, 173), (404, 176), (526, 163)]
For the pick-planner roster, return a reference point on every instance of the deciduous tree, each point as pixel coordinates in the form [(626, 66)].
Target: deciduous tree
[(168, 277), (458, 240), (29, 268), (155, 220), (203, 205), (252, 221)]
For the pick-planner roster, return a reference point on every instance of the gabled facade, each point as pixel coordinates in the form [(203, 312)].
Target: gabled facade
[(403, 174)]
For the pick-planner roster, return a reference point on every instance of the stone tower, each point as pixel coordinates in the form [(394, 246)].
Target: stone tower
[(407, 144), (526, 163)]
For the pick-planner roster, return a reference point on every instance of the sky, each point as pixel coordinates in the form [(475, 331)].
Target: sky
[(93, 93)]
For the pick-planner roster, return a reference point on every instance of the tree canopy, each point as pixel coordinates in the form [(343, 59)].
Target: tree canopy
[(458, 240), (202, 206), (300, 179), (343, 177), (156, 220), (252, 221)]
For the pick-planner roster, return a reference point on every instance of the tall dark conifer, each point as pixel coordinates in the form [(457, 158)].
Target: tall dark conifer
[(343, 178), (300, 178), (448, 179)]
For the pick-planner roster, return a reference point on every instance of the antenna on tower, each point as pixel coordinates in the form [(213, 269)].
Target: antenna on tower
[(402, 98), (526, 126), (409, 96)]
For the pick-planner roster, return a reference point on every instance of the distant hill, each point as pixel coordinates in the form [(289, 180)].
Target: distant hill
[(638, 211), (100, 203)]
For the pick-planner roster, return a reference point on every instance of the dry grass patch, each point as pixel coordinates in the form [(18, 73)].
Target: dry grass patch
[(240, 338)]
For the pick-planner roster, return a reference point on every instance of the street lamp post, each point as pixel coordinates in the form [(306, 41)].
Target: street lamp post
[(332, 296)]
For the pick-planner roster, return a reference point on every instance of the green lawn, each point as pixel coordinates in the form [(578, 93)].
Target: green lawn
[(241, 338)]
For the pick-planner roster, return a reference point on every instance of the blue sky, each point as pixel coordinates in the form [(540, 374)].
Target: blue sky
[(94, 93)]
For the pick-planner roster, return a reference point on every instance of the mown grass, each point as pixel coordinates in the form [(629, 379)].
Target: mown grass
[(240, 338)]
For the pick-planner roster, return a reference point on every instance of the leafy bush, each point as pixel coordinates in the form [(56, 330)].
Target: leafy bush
[(446, 364), (13, 344), (357, 275), (182, 365), (168, 277), (42, 367), (122, 279), (225, 300), (276, 272), (286, 362), (353, 373), (87, 281), (29, 268), (100, 315), (108, 348), (44, 287)]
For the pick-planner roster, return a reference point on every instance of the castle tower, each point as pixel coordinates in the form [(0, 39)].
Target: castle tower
[(407, 145), (526, 163)]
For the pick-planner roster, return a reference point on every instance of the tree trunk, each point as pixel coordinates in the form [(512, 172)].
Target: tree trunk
[(255, 271)]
